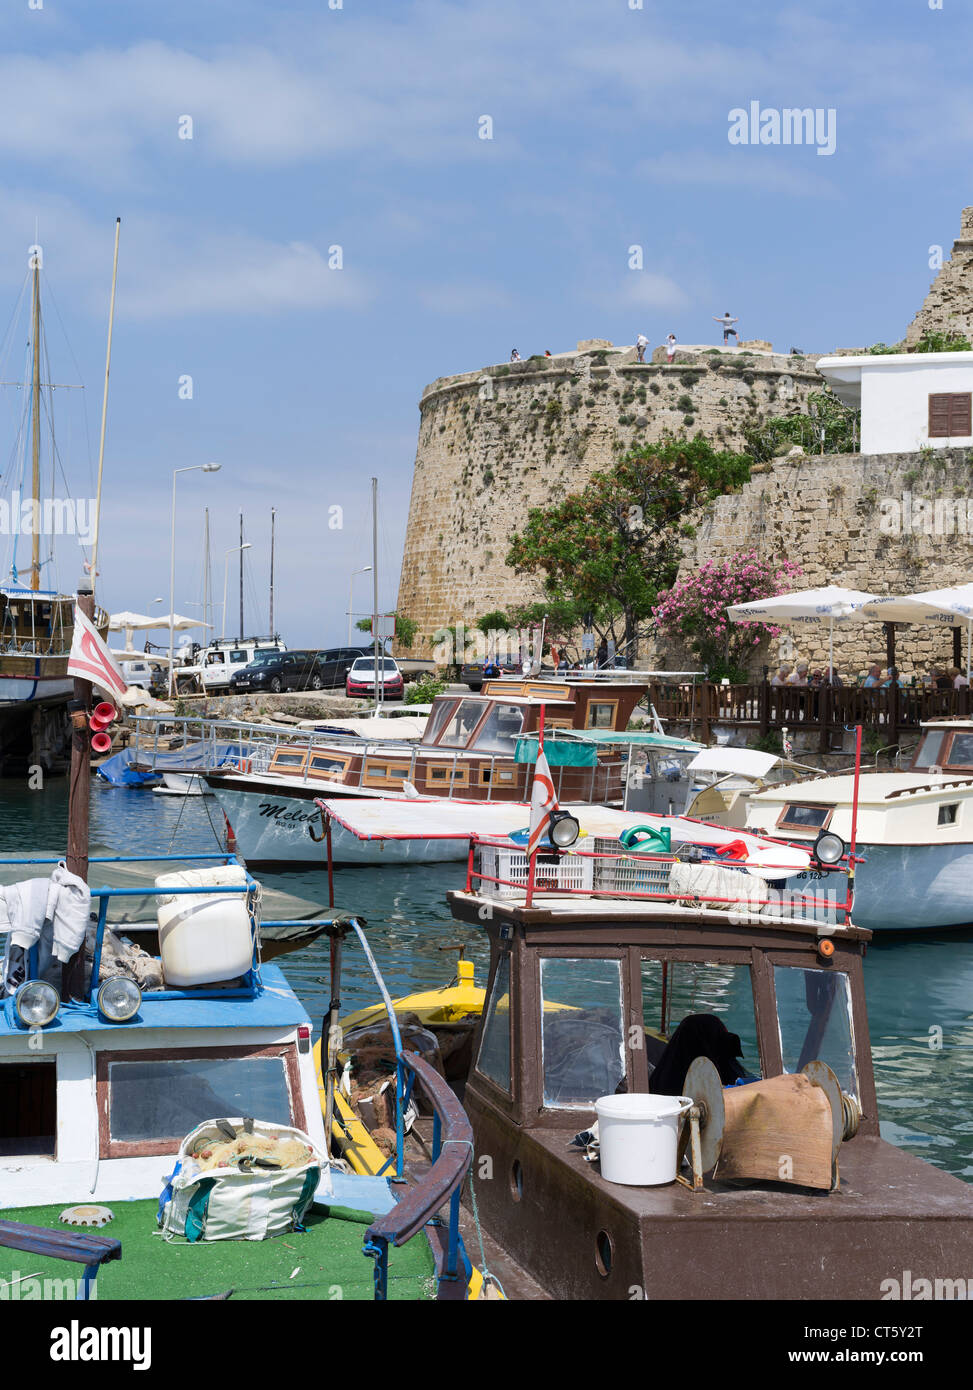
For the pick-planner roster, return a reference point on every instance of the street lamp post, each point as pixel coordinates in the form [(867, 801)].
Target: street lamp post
[(192, 468), (351, 585), (233, 550)]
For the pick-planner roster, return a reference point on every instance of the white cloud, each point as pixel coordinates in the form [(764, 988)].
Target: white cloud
[(760, 167), (466, 298), (646, 290), (170, 268)]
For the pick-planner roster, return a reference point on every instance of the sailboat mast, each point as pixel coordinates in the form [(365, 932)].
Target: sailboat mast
[(241, 578), (206, 576), (35, 490), (375, 583), (273, 517)]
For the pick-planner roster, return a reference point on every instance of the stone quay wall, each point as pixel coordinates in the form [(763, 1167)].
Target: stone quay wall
[(496, 442)]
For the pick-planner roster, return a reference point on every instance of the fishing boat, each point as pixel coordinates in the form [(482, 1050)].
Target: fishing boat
[(674, 1090), (100, 1090), (915, 831), (473, 749)]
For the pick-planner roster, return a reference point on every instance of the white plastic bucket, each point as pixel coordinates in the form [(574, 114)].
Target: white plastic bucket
[(638, 1137), (205, 937)]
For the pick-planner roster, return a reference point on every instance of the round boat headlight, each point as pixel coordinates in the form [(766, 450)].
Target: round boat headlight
[(564, 829), (37, 1003), (119, 999), (829, 848)]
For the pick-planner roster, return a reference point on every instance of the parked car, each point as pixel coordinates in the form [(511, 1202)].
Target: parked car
[(336, 663), (471, 672), (276, 671), (360, 680), (138, 673)]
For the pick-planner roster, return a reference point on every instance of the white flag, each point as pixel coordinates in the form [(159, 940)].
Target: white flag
[(91, 660), (542, 802)]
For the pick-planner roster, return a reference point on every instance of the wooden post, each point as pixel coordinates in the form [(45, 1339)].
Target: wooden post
[(894, 702), (707, 700), (764, 703), (958, 648), (79, 800), (825, 714)]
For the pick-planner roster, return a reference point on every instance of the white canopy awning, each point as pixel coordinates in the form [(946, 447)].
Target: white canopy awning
[(815, 607), (747, 761)]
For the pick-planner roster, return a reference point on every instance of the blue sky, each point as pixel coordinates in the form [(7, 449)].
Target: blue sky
[(358, 127)]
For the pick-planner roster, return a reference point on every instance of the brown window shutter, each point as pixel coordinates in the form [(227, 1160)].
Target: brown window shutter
[(938, 417), (961, 415)]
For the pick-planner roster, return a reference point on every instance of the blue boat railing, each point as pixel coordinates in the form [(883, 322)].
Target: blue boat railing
[(452, 1153)]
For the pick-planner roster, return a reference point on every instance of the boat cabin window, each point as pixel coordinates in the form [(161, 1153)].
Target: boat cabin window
[(28, 1109), (675, 990), (328, 765), (284, 761), (960, 751), (457, 732), (152, 1103), (930, 750), (949, 813), (440, 713), (814, 1017), (582, 1043), (797, 817), (500, 730), (494, 1058), (601, 714)]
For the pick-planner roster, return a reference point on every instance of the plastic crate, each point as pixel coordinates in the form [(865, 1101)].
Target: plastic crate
[(627, 871), (567, 871)]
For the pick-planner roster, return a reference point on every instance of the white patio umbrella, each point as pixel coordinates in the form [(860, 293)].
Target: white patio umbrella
[(952, 607), (806, 607), (178, 622), (127, 622)]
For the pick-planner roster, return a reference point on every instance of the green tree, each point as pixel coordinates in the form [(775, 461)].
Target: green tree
[(769, 439), (405, 629), (612, 546)]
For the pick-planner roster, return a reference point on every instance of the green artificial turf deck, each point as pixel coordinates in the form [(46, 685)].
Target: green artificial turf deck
[(327, 1256)]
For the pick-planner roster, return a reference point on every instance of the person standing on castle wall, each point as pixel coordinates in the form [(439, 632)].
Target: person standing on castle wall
[(515, 355), (641, 343), (670, 347), (727, 324)]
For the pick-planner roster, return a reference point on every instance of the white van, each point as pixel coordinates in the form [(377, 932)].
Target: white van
[(137, 673)]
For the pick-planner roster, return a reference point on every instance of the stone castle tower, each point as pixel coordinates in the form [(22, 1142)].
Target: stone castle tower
[(948, 307), (494, 443)]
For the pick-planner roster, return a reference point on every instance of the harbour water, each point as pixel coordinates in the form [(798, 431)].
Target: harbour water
[(919, 988)]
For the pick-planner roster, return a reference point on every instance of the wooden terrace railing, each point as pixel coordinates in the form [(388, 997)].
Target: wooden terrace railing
[(828, 711)]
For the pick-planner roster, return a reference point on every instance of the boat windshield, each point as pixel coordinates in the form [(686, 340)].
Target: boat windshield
[(464, 721), (673, 991), (930, 750), (961, 751), (581, 1029), (814, 1016), (494, 1058), (501, 729)]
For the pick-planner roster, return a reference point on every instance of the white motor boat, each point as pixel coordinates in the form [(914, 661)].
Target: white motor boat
[(914, 831)]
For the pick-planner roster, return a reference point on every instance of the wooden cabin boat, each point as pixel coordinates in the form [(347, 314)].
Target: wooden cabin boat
[(94, 1106), (584, 992), (915, 831), (475, 748)]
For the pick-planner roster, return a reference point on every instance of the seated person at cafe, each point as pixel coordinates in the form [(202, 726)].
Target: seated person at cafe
[(888, 680), (943, 681), (874, 676), (816, 679), (958, 679), (783, 671), (831, 677), (799, 676)]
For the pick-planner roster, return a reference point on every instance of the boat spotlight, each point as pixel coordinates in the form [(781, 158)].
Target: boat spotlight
[(119, 999), (37, 1003), (829, 848), (564, 829)]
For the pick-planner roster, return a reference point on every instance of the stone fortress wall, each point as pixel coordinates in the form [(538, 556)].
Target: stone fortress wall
[(494, 443)]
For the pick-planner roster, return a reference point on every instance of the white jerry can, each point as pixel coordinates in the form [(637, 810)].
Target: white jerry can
[(204, 937)]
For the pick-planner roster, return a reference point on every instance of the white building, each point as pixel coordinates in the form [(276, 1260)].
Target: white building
[(908, 400)]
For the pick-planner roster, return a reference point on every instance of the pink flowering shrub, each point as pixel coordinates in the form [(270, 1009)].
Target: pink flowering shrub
[(693, 611)]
